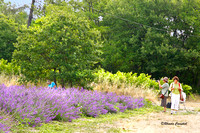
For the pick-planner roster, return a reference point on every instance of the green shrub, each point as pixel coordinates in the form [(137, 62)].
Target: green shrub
[(127, 79), (120, 78), (8, 68)]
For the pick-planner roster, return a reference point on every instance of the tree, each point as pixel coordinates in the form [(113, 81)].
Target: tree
[(157, 37), (12, 12), (60, 46), (8, 36)]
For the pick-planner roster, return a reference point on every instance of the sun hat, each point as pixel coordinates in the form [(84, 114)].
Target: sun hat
[(175, 78), (48, 82), (165, 79)]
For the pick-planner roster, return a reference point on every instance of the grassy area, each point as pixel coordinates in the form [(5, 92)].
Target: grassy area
[(103, 123), (197, 109)]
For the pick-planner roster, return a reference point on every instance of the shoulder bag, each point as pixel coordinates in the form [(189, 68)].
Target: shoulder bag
[(162, 96)]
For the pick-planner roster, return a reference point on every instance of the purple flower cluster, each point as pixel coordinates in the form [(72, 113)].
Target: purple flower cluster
[(37, 105), (3, 127)]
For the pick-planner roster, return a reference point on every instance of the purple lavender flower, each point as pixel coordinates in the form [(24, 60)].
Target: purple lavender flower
[(34, 106), (4, 127)]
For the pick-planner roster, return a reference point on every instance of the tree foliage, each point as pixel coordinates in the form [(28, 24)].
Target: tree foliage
[(60, 46), (12, 12), (157, 37), (11, 20), (8, 35)]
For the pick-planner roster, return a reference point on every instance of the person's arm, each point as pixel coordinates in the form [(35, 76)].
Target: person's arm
[(180, 87), (170, 88), (54, 86), (160, 85)]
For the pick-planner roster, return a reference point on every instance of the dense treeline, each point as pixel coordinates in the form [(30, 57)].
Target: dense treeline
[(67, 40)]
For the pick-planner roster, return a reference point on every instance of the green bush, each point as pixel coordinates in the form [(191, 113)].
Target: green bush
[(141, 80), (128, 79), (8, 68)]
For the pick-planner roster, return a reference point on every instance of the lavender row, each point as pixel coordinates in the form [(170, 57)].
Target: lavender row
[(4, 122), (4, 128), (37, 105)]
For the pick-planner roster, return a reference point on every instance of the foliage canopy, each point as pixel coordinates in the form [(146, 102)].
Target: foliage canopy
[(60, 46)]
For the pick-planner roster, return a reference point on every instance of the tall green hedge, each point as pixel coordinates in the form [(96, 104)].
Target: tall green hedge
[(129, 78)]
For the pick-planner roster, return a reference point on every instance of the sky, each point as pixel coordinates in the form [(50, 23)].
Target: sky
[(19, 2)]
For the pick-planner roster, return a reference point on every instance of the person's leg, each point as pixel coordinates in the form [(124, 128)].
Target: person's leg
[(172, 103), (165, 103), (177, 100), (162, 102)]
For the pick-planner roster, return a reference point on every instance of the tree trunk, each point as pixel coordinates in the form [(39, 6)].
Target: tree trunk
[(71, 84), (63, 83), (31, 13), (62, 80), (198, 83), (54, 76)]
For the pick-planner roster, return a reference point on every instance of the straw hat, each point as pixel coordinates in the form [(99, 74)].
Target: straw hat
[(48, 82), (165, 79)]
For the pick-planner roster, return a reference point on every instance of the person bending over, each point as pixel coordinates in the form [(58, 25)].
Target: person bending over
[(51, 85)]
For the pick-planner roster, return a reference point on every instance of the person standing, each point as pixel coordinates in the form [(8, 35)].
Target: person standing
[(164, 91), (175, 89)]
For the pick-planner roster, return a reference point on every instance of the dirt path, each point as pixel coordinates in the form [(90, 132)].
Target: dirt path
[(164, 122)]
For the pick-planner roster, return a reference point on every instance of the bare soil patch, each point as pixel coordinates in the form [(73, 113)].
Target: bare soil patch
[(161, 122), (183, 122)]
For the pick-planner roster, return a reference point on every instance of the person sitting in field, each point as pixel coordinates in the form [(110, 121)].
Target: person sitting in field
[(51, 85)]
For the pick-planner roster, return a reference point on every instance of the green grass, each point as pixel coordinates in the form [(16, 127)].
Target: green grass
[(187, 113), (197, 109), (103, 123)]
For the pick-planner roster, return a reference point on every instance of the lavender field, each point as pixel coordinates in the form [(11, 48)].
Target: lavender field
[(34, 106)]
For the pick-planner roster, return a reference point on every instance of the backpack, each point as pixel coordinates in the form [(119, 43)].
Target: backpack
[(182, 98)]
